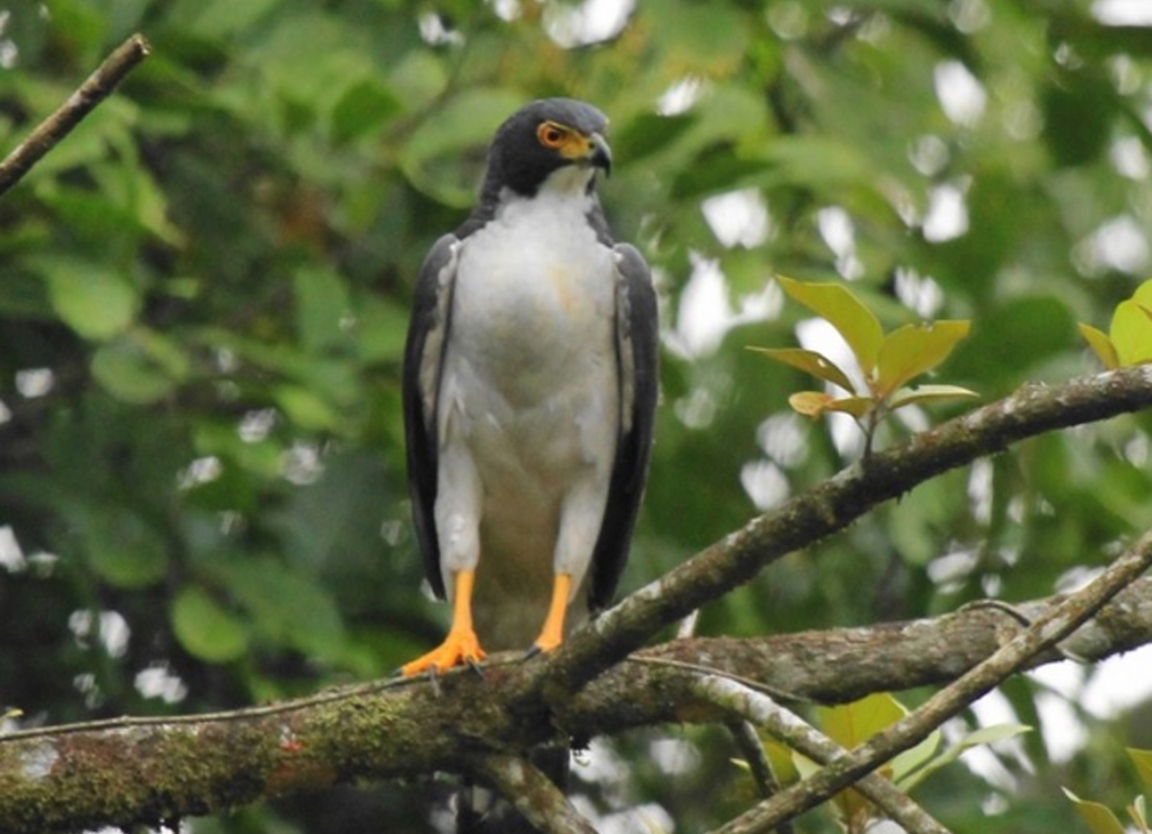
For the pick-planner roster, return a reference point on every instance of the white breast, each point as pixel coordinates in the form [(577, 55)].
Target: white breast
[(530, 388), (534, 298)]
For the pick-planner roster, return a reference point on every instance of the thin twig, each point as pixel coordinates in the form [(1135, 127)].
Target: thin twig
[(97, 87), (744, 734), (763, 775), (792, 730), (533, 794), (1049, 628)]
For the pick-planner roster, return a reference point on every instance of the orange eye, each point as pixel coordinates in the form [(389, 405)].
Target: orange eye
[(551, 135)]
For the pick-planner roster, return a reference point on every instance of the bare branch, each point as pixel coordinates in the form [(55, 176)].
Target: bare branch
[(533, 794), (744, 733), (792, 730), (833, 505), (1048, 630), (97, 87)]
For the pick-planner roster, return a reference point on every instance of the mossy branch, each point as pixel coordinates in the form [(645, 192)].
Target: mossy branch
[(146, 770)]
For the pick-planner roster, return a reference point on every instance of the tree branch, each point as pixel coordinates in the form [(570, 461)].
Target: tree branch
[(146, 771), (533, 794), (97, 87), (833, 505), (790, 729), (1048, 630)]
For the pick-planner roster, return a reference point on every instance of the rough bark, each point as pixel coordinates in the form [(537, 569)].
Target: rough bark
[(134, 770)]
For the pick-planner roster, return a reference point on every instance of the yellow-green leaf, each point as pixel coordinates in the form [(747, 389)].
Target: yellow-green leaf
[(1131, 333), (1100, 343), (1139, 813), (928, 393), (856, 406), (850, 724), (1099, 818), (810, 403), (1143, 294), (906, 767), (811, 362), (1143, 761), (913, 349), (984, 735), (844, 311)]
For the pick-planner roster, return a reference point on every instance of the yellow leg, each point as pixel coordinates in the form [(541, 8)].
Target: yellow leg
[(461, 645), (552, 635)]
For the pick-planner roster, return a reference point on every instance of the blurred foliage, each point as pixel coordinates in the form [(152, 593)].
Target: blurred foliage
[(205, 291)]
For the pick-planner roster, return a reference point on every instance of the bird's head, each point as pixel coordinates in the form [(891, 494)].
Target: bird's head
[(546, 137)]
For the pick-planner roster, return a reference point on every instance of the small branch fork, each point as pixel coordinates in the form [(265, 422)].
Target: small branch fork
[(97, 87), (533, 794), (1047, 630), (790, 729)]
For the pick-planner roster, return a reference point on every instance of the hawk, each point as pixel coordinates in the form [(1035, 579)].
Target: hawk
[(530, 388)]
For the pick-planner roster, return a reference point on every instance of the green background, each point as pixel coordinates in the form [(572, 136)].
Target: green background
[(204, 295)]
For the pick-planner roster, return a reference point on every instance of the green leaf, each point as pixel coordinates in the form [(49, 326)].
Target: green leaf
[(381, 328), (928, 394), (648, 133), (809, 361), (1099, 818), (286, 606), (205, 629), (321, 305), (906, 764), (984, 735), (1143, 761), (1100, 343), (844, 311), (440, 156), (91, 299), (221, 18), (914, 349), (306, 409), (125, 551), (140, 367), (363, 108)]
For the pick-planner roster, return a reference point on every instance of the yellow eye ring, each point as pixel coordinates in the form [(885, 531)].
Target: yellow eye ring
[(551, 135)]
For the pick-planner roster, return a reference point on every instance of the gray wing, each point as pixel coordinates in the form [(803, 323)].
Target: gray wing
[(637, 360), (423, 358)]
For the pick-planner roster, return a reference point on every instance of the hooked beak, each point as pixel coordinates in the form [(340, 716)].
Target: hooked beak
[(599, 154)]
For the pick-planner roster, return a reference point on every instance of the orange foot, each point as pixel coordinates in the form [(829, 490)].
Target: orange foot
[(460, 646)]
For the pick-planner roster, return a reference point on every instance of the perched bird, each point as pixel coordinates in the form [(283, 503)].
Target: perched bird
[(530, 386)]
